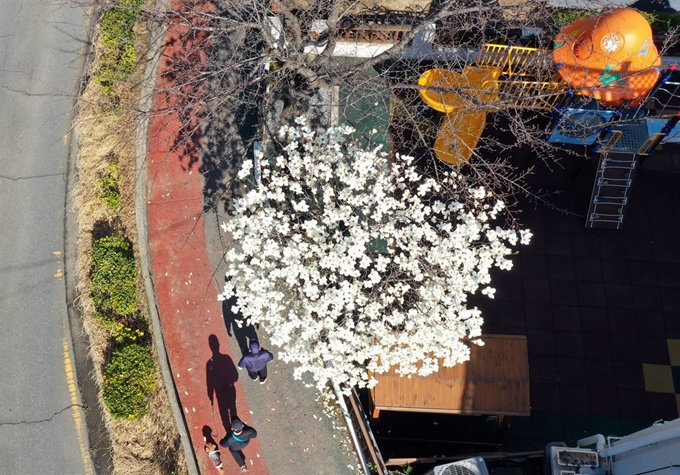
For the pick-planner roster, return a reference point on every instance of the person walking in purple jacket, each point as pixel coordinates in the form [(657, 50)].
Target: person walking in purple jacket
[(255, 362)]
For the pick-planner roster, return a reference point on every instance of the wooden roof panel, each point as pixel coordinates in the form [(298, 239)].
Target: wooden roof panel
[(494, 381)]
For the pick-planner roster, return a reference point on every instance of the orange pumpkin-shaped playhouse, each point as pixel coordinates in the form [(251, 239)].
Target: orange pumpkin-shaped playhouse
[(610, 57)]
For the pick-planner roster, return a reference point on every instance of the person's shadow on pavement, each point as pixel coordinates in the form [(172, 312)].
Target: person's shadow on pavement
[(243, 333), (221, 375)]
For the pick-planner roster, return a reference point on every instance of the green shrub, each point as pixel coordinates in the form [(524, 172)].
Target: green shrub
[(118, 58), (663, 21), (564, 17), (403, 470), (129, 378), (120, 332), (656, 20), (110, 186), (114, 277)]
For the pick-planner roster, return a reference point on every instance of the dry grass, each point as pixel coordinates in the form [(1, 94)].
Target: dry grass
[(107, 133)]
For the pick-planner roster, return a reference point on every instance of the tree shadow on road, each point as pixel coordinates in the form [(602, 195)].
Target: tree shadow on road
[(180, 87), (231, 117), (226, 142), (221, 375), (242, 332)]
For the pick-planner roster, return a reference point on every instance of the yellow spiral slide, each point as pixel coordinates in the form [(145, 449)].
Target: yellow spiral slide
[(462, 97)]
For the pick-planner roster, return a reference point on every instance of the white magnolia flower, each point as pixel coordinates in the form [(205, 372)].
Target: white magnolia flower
[(525, 236), (351, 261), (489, 292)]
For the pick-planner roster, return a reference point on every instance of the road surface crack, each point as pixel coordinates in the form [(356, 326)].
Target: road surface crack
[(40, 421), (19, 178)]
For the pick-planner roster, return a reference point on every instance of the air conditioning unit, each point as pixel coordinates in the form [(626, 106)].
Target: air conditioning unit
[(473, 466), (569, 457)]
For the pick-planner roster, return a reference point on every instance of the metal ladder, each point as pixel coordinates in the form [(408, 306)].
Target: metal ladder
[(611, 190), (615, 174)]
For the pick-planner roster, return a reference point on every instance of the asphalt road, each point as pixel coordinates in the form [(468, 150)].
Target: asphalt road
[(42, 426)]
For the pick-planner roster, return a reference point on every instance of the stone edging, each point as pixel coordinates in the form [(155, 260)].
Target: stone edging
[(157, 32)]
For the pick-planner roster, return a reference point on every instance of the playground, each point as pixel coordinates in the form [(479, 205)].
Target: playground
[(596, 300), (603, 86)]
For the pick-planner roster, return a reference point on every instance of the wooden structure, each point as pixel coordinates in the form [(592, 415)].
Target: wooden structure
[(382, 34), (494, 381)]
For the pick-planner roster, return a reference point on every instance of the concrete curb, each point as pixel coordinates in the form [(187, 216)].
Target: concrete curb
[(96, 430), (157, 34)]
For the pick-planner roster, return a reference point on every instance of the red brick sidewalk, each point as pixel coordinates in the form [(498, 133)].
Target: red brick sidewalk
[(185, 293)]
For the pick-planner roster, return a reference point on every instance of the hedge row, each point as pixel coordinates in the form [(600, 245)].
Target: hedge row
[(130, 374), (114, 277), (660, 21), (118, 55), (109, 184), (129, 378)]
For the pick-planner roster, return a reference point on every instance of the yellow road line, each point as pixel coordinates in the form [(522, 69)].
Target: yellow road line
[(75, 409), (60, 272)]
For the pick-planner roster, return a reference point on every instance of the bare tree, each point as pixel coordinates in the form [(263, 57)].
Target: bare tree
[(246, 67)]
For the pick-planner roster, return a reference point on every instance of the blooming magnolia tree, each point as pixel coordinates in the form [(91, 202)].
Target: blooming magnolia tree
[(350, 258)]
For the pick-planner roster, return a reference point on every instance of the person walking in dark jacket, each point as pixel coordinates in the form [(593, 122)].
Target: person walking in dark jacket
[(237, 440), (256, 361)]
